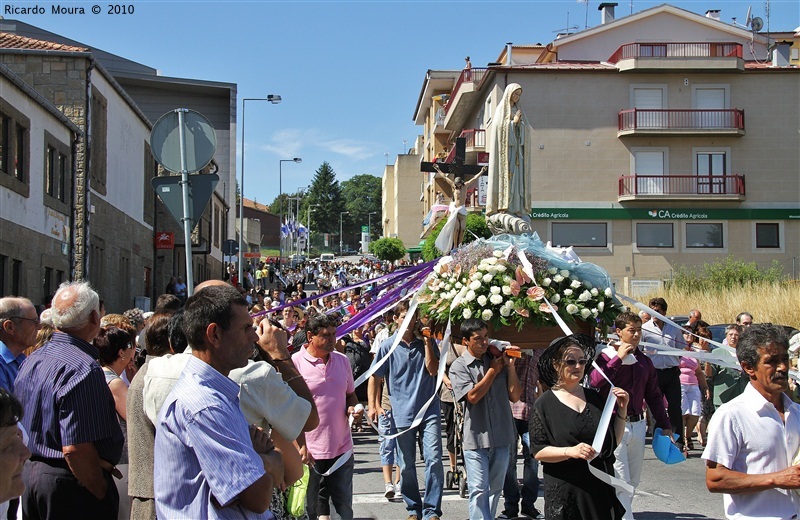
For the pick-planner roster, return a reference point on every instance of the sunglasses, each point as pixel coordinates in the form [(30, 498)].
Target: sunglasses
[(572, 362)]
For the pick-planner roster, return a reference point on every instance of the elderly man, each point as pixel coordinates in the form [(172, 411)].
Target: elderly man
[(18, 325), (754, 438), (208, 462), (75, 436), (330, 379)]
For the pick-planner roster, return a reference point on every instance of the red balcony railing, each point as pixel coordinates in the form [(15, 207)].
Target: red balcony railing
[(475, 137), (677, 50), (681, 119), (630, 185), (474, 75)]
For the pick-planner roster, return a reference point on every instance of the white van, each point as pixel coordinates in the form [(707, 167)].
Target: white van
[(327, 257)]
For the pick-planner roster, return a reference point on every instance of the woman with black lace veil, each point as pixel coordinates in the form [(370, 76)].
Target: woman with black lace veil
[(562, 428)]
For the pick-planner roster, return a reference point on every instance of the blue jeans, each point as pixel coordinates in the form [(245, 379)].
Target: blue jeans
[(431, 430), (339, 485), (530, 470), (486, 470), (387, 446)]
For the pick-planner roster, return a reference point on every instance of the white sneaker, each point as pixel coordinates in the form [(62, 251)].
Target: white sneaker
[(389, 494), (397, 489)]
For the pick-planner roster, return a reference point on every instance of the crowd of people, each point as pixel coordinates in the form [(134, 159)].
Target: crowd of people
[(240, 401)]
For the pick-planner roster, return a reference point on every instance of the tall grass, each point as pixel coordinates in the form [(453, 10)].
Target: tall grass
[(777, 303)]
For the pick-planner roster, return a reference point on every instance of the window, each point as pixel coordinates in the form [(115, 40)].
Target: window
[(16, 276), (98, 133), (705, 235), (580, 234), (711, 165), (57, 174), (14, 149), (649, 165), (216, 225), (48, 278), (654, 234), (768, 235)]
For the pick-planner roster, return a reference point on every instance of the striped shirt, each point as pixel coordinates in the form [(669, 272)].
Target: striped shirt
[(203, 449), (67, 401)]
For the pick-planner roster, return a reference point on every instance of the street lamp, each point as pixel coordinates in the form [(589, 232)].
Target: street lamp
[(274, 99), (341, 244), (308, 229), (280, 189), (369, 229)]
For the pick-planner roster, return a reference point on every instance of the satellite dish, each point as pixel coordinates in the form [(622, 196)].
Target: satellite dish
[(756, 24)]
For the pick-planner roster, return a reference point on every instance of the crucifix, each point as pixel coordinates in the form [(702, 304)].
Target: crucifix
[(452, 235)]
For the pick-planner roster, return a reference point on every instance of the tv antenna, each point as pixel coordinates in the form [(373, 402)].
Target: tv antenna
[(567, 29)]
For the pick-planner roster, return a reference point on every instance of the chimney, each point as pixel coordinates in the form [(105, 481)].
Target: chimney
[(606, 12), (509, 45), (713, 14), (780, 54)]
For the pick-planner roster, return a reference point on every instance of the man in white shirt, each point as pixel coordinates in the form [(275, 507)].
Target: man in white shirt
[(754, 439)]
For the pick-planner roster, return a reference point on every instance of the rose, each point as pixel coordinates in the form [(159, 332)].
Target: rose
[(535, 293), (567, 292), (496, 299), (501, 268), (585, 313), (470, 295), (552, 270), (594, 292), (600, 306), (487, 314), (475, 285), (507, 279), (564, 273), (546, 282), (482, 300), (585, 296), (497, 254), (608, 293), (575, 284), (443, 295), (555, 298), (494, 289), (572, 308), (558, 278), (487, 278), (507, 290), (467, 314), (595, 313), (505, 311)]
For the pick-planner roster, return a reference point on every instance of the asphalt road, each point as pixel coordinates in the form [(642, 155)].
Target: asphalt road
[(673, 492)]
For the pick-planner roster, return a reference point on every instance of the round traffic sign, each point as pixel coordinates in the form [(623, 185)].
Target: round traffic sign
[(201, 141)]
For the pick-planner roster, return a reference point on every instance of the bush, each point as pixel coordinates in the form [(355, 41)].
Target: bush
[(725, 274), (476, 228), (389, 249)]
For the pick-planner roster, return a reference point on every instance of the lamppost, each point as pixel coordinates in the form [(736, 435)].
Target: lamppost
[(341, 243), (369, 229), (308, 230), (274, 99), (280, 189), (295, 216)]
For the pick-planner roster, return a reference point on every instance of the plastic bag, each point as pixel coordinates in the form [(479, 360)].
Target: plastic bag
[(296, 497)]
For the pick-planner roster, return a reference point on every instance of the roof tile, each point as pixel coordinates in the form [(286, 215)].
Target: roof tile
[(14, 41)]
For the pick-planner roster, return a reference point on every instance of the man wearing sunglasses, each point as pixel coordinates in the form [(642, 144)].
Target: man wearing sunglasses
[(630, 369)]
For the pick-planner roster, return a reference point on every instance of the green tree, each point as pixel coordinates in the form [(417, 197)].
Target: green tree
[(362, 196), (390, 249), (476, 228), (325, 191)]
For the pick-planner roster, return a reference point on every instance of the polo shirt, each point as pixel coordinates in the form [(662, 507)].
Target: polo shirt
[(9, 367), (203, 452), (329, 382), (487, 423), (668, 336), (64, 391), (747, 435), (407, 381)]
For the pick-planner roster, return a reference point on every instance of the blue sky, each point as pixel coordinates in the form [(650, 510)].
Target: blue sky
[(349, 73)]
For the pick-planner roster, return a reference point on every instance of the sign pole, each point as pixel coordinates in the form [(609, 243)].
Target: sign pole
[(187, 213)]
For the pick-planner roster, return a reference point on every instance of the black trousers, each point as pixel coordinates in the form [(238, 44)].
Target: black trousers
[(52, 492), (669, 382)]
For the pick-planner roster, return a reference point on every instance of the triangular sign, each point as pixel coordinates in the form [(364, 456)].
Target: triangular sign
[(201, 186)]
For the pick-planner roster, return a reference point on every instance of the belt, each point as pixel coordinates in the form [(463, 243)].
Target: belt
[(635, 417), (670, 369), (56, 463)]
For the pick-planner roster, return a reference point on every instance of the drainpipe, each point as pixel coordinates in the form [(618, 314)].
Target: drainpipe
[(71, 241), (509, 46), (87, 171)]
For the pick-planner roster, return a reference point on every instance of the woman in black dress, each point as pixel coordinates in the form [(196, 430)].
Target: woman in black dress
[(562, 429)]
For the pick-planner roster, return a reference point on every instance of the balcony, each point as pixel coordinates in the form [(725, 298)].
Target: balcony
[(670, 56), (681, 187), (458, 107), (680, 122), (476, 142)]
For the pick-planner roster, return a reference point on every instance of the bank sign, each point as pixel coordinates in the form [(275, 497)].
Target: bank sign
[(665, 214)]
